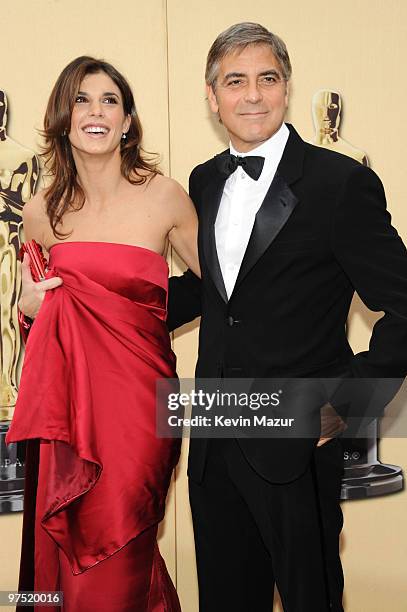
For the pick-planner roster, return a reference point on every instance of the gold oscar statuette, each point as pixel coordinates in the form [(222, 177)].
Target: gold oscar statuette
[(18, 179), (364, 476), (326, 114)]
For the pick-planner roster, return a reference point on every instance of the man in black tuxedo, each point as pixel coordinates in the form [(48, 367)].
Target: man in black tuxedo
[(287, 232)]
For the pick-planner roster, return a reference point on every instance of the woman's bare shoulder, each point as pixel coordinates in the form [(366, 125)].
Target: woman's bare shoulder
[(36, 207), (35, 218), (169, 189)]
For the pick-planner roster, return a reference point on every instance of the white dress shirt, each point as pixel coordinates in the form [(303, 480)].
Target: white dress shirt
[(241, 199)]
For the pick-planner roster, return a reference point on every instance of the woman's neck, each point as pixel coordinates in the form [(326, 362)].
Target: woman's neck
[(100, 177)]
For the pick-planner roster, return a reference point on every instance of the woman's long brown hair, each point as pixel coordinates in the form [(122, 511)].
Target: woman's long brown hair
[(65, 192)]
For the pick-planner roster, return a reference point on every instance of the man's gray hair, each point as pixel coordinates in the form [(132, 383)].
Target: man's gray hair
[(239, 36)]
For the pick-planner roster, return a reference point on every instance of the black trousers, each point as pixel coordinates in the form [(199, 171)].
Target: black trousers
[(250, 534)]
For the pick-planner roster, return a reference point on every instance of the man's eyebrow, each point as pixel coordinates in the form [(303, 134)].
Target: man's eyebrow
[(234, 75), (272, 71)]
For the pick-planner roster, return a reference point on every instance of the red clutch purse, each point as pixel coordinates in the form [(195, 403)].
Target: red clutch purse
[(38, 268)]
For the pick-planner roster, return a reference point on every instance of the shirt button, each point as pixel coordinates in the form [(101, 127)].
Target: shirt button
[(232, 321)]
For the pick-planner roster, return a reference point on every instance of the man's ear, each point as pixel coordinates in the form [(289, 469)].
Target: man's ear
[(213, 104), (287, 93)]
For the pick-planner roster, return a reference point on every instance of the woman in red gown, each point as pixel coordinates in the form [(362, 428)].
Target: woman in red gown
[(87, 398)]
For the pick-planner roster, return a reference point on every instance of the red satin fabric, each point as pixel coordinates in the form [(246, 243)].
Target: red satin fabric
[(92, 360)]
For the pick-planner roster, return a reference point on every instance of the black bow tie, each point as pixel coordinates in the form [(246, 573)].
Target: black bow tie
[(227, 163)]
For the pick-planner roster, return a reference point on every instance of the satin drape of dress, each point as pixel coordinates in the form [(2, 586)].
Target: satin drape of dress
[(87, 392)]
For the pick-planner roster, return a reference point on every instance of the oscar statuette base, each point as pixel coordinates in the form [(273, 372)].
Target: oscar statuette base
[(365, 476), (11, 475), (371, 480)]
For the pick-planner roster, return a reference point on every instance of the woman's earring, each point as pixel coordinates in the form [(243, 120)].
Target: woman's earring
[(124, 136)]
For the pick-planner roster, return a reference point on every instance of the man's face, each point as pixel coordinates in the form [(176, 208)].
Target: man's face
[(250, 96)]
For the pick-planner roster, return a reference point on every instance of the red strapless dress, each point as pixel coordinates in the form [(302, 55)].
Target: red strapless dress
[(87, 392)]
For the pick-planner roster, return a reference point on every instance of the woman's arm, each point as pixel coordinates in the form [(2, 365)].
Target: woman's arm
[(32, 293), (183, 235)]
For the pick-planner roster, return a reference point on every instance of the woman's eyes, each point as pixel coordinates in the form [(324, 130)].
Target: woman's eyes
[(107, 99)]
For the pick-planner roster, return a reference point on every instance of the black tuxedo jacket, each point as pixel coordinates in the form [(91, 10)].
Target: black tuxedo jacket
[(321, 233)]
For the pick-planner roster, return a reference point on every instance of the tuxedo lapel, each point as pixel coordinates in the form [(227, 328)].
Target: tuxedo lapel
[(271, 217), (277, 205), (211, 198)]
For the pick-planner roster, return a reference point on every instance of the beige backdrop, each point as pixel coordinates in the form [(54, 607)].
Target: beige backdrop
[(356, 48)]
